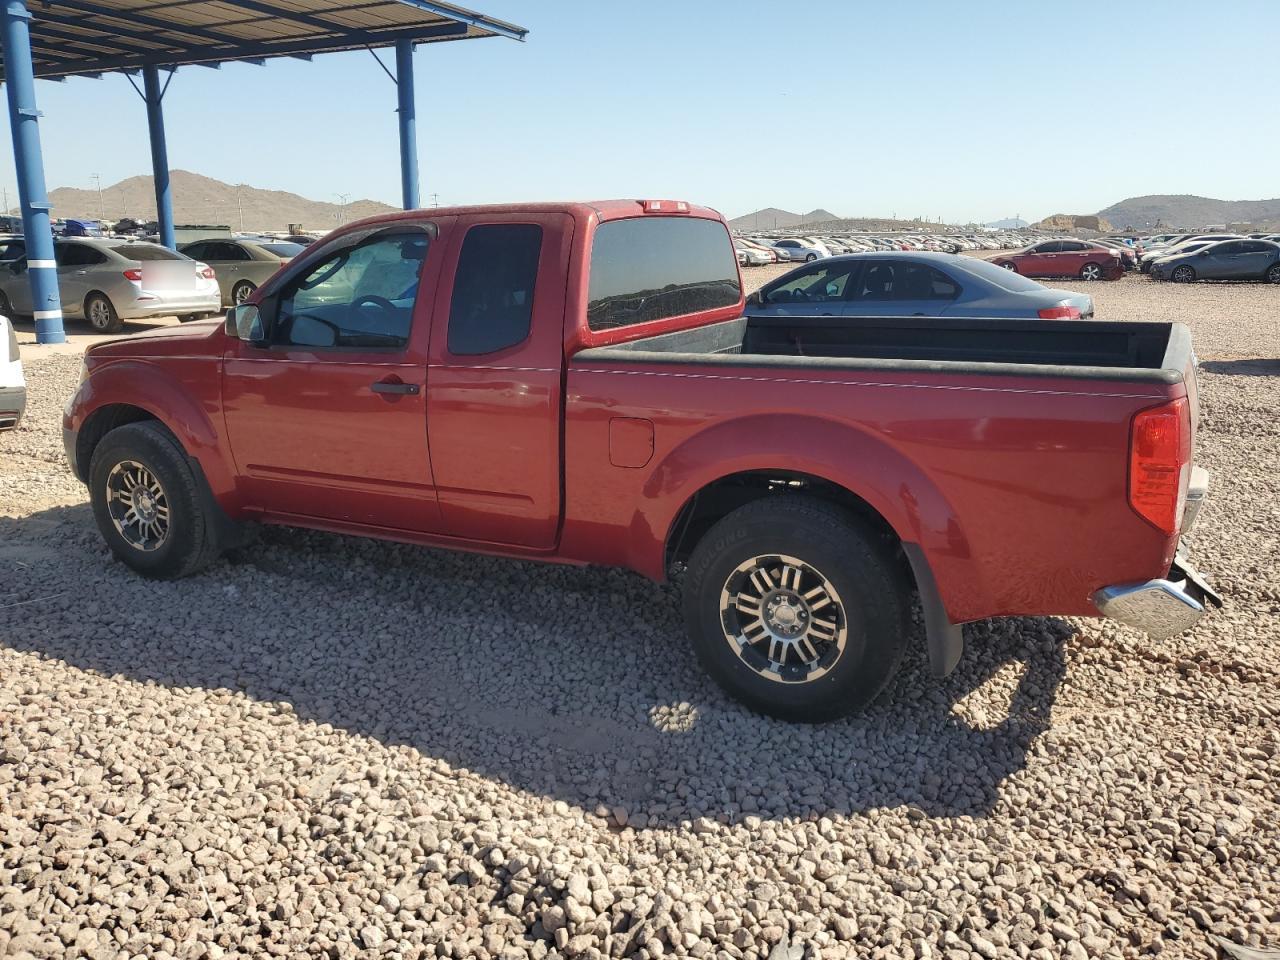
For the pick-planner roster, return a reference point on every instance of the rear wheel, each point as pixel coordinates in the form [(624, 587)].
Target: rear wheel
[(101, 314), (810, 258), (1273, 273), (1183, 274), (796, 608), (1091, 271), (242, 291), (1010, 266), (146, 502)]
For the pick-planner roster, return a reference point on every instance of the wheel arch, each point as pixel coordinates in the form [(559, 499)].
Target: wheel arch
[(709, 476), (129, 391)]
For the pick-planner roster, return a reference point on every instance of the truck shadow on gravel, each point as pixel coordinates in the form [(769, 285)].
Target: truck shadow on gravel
[(574, 684), (1246, 367)]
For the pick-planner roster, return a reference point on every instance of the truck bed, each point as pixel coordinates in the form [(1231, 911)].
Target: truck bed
[(1052, 348)]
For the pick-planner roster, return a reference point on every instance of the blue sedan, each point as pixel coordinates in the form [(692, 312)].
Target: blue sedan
[(913, 285)]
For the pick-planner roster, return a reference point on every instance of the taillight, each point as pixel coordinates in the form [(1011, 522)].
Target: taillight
[(1060, 313), (1160, 464), (205, 270), (134, 275)]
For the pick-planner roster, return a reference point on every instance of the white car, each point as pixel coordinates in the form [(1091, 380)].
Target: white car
[(13, 388)]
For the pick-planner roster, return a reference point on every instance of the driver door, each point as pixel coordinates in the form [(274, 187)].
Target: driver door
[(327, 419)]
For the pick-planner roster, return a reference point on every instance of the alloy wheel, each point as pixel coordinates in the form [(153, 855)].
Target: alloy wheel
[(783, 619), (99, 314), (1091, 271), (137, 505), (1273, 274), (1184, 275)]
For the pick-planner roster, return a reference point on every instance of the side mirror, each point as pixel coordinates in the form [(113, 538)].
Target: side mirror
[(245, 323), (755, 298)]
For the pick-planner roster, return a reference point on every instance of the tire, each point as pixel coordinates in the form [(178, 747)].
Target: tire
[(101, 314), (242, 291), (795, 538), (1183, 274), (1010, 266), (1273, 273), (188, 317), (148, 452), (810, 258), (1091, 271)]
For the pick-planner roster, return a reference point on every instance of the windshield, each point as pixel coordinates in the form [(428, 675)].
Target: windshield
[(1006, 279), (146, 251)]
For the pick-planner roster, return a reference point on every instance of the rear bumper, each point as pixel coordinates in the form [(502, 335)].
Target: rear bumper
[(171, 306), (1168, 606), (13, 401)]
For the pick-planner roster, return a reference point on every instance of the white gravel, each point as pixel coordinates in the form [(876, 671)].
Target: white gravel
[(340, 747)]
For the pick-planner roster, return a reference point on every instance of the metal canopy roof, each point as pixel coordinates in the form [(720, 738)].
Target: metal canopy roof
[(89, 37)]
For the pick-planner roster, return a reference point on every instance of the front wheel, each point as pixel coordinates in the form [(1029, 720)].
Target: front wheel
[(796, 608), (1183, 274), (146, 502), (1091, 271), (1273, 273), (101, 314)]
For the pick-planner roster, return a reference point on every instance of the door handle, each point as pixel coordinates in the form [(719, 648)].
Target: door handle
[(395, 386)]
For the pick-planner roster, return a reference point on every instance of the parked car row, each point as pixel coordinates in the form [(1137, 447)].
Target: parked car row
[(1208, 259), (815, 247), (107, 280)]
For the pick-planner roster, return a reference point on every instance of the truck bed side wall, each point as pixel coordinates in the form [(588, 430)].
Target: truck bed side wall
[(1014, 486)]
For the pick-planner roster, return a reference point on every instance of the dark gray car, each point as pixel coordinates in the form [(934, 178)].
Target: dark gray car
[(913, 285), (1228, 260)]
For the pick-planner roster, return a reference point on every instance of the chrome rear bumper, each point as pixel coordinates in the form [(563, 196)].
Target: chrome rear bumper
[(1160, 608)]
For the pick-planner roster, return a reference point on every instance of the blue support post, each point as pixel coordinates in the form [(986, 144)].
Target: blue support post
[(42, 273), (154, 96), (408, 124)]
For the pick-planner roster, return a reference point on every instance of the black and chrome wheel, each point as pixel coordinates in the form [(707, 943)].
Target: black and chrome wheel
[(797, 608), (1273, 273), (101, 314), (138, 506), (1091, 271), (1183, 274), (147, 504), (242, 291)]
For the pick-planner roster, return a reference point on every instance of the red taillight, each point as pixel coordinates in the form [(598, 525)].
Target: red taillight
[(1060, 313), (134, 275), (205, 270), (1160, 464)]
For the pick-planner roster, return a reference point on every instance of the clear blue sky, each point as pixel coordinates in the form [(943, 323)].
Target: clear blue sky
[(975, 110)]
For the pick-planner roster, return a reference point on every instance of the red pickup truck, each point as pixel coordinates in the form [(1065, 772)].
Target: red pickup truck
[(577, 382)]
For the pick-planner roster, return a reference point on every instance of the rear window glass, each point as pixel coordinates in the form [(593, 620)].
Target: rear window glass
[(651, 268), (492, 304), (146, 251), (1007, 279), (283, 249)]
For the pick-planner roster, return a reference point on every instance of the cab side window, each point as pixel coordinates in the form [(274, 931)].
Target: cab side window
[(492, 304), (358, 296)]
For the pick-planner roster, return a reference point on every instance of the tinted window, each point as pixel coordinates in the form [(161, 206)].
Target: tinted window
[(1052, 246), (77, 255), (1256, 246), (814, 284), (146, 251), (1071, 246), (650, 268), (197, 251), (1218, 249), (876, 282), (492, 303), (12, 249), (359, 296), (227, 252)]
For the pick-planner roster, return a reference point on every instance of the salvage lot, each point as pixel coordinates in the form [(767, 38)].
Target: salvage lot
[(341, 746)]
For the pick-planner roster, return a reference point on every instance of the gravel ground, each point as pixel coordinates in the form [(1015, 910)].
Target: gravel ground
[(338, 747)]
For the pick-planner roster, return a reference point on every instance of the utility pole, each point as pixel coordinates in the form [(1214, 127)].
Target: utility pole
[(342, 207), (102, 211), (435, 200), (240, 207)]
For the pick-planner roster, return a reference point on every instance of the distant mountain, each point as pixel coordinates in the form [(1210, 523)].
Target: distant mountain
[(1072, 221), (1184, 210), (202, 200), (823, 221), (1013, 223)]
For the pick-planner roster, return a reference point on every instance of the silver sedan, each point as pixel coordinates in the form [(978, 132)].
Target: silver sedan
[(242, 265), (107, 281)]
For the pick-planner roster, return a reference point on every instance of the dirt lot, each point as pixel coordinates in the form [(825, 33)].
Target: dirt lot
[(337, 747)]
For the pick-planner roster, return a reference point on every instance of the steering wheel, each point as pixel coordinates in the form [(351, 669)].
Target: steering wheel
[(377, 301)]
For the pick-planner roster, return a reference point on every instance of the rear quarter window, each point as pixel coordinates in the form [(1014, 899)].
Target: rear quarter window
[(653, 268)]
